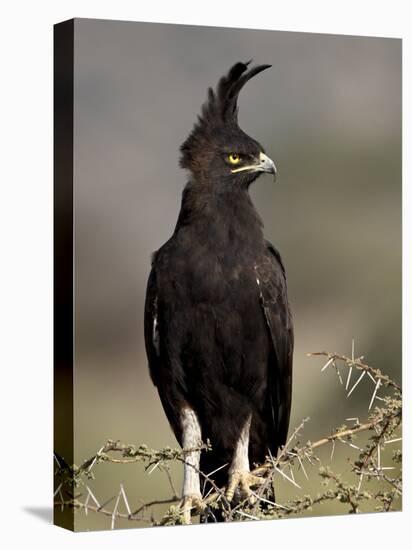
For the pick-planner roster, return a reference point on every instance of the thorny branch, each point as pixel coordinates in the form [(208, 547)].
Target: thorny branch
[(383, 422)]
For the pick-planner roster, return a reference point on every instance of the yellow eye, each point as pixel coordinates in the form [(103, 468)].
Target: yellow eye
[(234, 158)]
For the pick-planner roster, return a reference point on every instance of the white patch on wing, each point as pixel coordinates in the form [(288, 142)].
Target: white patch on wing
[(192, 439), (155, 330), (258, 283)]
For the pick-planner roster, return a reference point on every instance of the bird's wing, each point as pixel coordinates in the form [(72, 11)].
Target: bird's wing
[(271, 281), (151, 327), (159, 374)]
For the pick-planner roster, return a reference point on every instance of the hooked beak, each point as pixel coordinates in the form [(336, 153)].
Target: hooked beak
[(265, 164)]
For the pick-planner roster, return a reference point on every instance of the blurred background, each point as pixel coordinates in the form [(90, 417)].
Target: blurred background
[(329, 114)]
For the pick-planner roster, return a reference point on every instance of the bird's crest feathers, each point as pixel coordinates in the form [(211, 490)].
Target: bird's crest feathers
[(221, 109)]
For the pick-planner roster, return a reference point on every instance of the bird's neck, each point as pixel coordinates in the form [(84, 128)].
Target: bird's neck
[(225, 218)]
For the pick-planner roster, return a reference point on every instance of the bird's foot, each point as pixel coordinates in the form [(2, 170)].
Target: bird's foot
[(242, 480), (189, 503)]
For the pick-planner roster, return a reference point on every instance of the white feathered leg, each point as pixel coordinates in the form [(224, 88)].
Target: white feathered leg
[(239, 470)]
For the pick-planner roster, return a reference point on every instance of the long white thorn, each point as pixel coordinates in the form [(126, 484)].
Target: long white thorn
[(348, 378), (357, 382), (86, 503), (287, 477), (350, 368), (371, 377), (378, 383), (125, 499), (326, 365), (302, 466), (114, 513), (350, 444), (246, 515), (92, 496), (393, 440), (208, 493), (57, 490), (153, 468), (217, 469), (269, 501), (94, 459), (360, 482), (333, 450), (338, 372)]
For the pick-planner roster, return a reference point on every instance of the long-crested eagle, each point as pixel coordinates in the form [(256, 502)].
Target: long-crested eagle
[(218, 327)]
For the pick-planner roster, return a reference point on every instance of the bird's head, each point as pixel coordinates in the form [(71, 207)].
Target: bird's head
[(217, 150)]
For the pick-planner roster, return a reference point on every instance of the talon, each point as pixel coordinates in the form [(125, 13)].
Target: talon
[(242, 480), (189, 503)]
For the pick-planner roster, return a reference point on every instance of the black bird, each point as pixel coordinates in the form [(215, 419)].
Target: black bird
[(218, 328)]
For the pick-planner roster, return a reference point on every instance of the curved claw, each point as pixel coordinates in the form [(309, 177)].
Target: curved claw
[(243, 480)]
